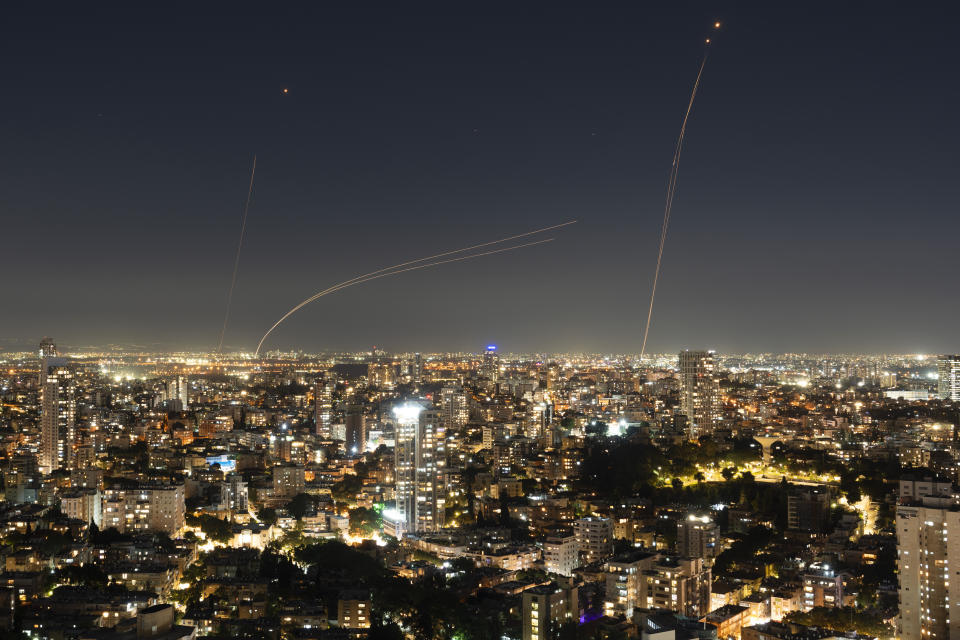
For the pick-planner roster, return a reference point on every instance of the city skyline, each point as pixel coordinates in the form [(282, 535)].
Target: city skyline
[(817, 158), (756, 495), (491, 321)]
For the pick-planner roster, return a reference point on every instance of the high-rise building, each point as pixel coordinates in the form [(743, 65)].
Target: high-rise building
[(594, 538), (948, 370), (644, 580), (48, 349), (58, 410), (624, 583), (353, 609), (700, 391), (178, 393), (928, 527), (382, 375), (808, 509), (288, 481), (323, 406), (145, 508), (697, 537), (419, 462), (490, 369), (355, 428), (453, 406), (822, 587), (83, 504), (545, 608), (681, 585), (561, 553), (237, 494), (417, 369)]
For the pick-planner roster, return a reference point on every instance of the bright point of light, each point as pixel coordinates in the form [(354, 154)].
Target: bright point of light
[(491, 347), (407, 413), (392, 515)]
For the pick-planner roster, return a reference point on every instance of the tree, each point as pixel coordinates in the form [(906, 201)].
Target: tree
[(347, 489), (388, 631), (699, 477), (729, 473), (364, 522), (300, 505), (214, 528), (845, 619), (677, 484), (267, 516), (87, 575)]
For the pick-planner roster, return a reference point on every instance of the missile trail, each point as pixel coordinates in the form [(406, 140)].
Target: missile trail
[(476, 246), (412, 265), (384, 273), (236, 260), (671, 191)]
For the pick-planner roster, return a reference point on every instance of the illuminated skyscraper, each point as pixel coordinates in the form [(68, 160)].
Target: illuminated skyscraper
[(491, 363), (417, 368), (356, 430), (178, 393), (928, 557), (48, 349), (58, 410), (382, 375), (948, 368), (453, 406), (323, 406), (419, 462), (697, 536), (700, 399)]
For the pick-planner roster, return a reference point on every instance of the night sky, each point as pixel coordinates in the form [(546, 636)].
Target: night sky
[(816, 208)]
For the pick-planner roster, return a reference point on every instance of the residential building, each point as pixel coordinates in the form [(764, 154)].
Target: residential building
[(680, 585), (419, 463), (58, 411), (144, 508), (700, 391), (83, 504), (288, 481), (697, 536), (928, 559), (948, 377), (545, 608), (561, 553), (822, 587), (594, 538), (353, 610)]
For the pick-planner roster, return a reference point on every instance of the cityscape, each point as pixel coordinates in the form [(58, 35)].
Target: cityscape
[(487, 495), (479, 321)]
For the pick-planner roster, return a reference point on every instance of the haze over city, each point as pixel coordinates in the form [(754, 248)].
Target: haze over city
[(814, 209)]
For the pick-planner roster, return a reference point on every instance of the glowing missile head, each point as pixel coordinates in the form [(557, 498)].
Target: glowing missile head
[(716, 25), (708, 40)]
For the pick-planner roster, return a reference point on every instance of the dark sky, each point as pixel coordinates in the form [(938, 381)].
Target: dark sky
[(816, 207)]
